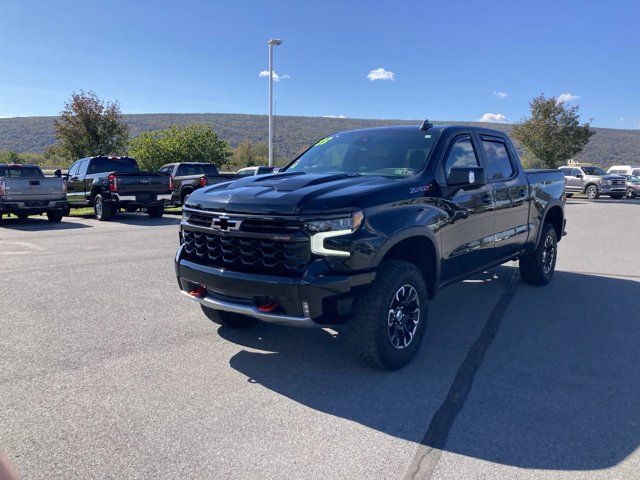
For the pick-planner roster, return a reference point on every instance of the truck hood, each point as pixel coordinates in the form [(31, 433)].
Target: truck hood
[(288, 193)]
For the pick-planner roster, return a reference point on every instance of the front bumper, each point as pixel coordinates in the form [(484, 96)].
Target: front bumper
[(319, 297), (609, 189), (31, 208)]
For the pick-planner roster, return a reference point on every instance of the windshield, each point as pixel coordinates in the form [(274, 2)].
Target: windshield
[(594, 171), (389, 153), (21, 172)]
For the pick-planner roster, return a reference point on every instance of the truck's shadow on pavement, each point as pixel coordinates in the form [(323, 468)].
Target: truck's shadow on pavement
[(38, 223), (558, 388)]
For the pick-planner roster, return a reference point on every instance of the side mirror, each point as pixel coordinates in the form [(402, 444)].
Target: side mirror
[(58, 173), (578, 175), (467, 177)]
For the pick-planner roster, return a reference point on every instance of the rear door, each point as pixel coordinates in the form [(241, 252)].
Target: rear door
[(468, 235), (511, 192)]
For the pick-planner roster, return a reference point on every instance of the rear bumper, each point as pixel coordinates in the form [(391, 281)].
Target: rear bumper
[(140, 199), (27, 207), (319, 297)]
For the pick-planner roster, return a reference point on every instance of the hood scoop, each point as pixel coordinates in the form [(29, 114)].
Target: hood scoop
[(289, 183)]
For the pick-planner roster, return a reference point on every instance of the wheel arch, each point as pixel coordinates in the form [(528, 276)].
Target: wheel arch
[(554, 215), (405, 244)]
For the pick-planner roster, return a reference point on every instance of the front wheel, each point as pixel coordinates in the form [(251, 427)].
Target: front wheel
[(156, 211), (55, 216), (631, 193), (228, 319), (103, 210), (592, 192), (537, 267), (390, 318)]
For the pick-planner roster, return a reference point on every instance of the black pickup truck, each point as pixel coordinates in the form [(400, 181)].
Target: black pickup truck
[(111, 183), (190, 176), (365, 227)]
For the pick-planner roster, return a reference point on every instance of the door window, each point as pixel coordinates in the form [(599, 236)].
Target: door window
[(461, 154), (498, 163), (82, 170), (73, 171)]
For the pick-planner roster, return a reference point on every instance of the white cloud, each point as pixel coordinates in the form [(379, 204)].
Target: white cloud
[(493, 118), (334, 116), (567, 97), (380, 74), (500, 94), (276, 77)]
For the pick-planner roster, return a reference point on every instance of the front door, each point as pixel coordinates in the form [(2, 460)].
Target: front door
[(467, 235), (75, 187)]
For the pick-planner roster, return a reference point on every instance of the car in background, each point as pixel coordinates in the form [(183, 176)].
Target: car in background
[(113, 183), (633, 186), (24, 191), (593, 182), (250, 171), (625, 170), (190, 176)]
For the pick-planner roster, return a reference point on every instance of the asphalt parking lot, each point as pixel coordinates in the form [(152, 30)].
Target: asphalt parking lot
[(108, 372)]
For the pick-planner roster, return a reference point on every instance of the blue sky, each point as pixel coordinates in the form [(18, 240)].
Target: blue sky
[(445, 60)]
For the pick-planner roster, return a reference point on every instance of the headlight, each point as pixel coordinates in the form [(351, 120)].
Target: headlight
[(351, 223), (332, 227), (605, 182)]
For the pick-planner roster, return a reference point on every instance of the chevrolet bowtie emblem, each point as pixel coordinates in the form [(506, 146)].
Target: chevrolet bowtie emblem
[(225, 223)]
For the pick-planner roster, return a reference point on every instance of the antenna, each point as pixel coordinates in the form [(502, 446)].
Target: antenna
[(426, 125)]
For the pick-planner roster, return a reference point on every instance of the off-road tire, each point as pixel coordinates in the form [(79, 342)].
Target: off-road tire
[(156, 211), (55, 216), (227, 319), (534, 268), (368, 332), (103, 210), (592, 192)]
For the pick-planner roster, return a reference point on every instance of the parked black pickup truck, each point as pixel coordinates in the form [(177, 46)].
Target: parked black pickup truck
[(365, 227), (111, 183), (188, 177)]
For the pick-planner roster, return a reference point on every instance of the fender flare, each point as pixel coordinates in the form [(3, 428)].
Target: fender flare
[(404, 234), (552, 204)]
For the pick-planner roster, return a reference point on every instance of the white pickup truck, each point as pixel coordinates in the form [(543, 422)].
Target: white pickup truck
[(24, 191)]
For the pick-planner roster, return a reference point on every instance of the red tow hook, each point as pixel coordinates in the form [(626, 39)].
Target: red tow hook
[(199, 292), (268, 306)]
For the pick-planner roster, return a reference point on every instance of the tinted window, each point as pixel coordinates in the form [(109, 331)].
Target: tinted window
[(210, 170), (566, 171), (73, 171), (635, 172), (594, 171), (383, 152), (461, 154), (21, 172), (166, 169), (244, 173), (105, 164), (498, 164)]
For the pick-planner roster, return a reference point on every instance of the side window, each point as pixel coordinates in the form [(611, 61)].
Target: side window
[(73, 170), (82, 170), (498, 163), (461, 154), (165, 169)]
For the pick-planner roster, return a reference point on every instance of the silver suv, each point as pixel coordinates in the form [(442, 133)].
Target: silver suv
[(593, 182)]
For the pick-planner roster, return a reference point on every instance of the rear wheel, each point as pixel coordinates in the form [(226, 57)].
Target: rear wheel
[(227, 318), (156, 211), (66, 211), (390, 318), (55, 216), (592, 192), (537, 267), (103, 210)]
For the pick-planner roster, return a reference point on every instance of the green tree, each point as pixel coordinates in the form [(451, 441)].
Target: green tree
[(248, 154), (553, 133), (88, 126), (191, 143), (10, 156)]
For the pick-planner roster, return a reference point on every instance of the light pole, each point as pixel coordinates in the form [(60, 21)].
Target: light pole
[(272, 42)]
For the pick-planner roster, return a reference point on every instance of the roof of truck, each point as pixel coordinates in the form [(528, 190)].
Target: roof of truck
[(434, 128)]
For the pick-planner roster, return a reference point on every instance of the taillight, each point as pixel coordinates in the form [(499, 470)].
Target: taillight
[(64, 187), (113, 183), (1, 187), (171, 182), (203, 181)]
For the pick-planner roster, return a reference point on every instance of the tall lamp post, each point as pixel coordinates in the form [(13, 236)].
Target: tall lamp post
[(272, 42)]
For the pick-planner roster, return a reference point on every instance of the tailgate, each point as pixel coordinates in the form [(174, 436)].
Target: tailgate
[(32, 189), (143, 182)]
